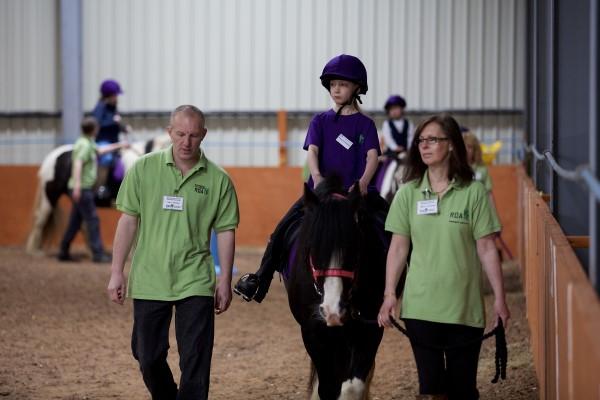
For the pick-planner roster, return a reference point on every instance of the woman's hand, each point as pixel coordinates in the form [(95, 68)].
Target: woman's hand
[(388, 308), (501, 311)]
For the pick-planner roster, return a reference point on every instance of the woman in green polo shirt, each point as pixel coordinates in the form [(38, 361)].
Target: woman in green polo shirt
[(447, 216)]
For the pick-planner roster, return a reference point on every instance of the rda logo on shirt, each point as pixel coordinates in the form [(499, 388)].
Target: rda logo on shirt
[(200, 189), (458, 217)]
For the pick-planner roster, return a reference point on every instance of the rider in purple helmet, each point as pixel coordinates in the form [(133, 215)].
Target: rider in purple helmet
[(111, 126), (341, 141), (106, 112)]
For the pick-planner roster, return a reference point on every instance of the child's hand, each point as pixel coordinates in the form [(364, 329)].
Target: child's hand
[(76, 193), (316, 180), (363, 186)]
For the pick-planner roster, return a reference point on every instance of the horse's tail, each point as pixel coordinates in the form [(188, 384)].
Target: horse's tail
[(39, 214), (45, 214)]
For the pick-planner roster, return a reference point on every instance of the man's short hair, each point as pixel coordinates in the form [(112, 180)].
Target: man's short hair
[(189, 110), (89, 125)]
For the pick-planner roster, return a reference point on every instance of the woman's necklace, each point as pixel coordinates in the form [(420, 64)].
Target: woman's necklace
[(442, 190)]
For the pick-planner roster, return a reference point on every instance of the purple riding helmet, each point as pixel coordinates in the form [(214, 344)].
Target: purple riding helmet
[(110, 87), (345, 67), (394, 100)]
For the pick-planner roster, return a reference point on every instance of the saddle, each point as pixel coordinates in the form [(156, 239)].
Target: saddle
[(288, 256)]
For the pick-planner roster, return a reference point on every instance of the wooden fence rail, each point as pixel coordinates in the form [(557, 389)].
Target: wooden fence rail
[(563, 309)]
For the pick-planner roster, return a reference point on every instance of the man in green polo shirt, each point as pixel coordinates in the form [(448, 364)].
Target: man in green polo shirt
[(447, 217), (171, 200)]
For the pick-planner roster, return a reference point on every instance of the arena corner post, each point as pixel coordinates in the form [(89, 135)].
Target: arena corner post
[(71, 38), (282, 128)]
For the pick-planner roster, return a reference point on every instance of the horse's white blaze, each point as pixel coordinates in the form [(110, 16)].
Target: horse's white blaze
[(332, 294), (352, 389)]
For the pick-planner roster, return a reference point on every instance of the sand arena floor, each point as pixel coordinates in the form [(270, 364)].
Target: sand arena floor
[(61, 338)]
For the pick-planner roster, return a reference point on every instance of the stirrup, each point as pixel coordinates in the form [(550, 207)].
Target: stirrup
[(244, 284)]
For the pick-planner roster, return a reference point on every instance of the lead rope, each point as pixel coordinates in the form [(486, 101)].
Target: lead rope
[(501, 356)]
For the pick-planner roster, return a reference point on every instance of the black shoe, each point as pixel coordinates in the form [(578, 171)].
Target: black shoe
[(65, 257), (247, 286), (102, 258)]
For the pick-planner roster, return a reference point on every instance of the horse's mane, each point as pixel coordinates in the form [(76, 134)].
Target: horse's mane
[(330, 226)]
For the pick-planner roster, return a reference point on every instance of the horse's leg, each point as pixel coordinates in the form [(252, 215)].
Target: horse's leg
[(367, 338), (328, 361), (41, 214), (313, 386), (353, 389)]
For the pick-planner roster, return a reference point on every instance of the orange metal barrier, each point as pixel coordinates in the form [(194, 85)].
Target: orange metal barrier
[(562, 307)]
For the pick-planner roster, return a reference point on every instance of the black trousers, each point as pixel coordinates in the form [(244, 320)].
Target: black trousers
[(83, 210), (194, 330), (452, 372)]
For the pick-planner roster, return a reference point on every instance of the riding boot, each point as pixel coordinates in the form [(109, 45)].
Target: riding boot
[(255, 286)]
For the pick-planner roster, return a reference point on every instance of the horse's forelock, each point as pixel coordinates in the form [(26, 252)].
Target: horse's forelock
[(332, 230)]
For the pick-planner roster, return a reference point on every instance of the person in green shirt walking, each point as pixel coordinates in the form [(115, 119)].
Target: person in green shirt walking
[(448, 218), (171, 200), (83, 177)]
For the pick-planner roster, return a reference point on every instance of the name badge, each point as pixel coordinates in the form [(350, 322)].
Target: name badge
[(425, 207), (344, 141), (172, 203)]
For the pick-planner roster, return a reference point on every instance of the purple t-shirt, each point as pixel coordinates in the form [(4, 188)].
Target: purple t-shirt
[(343, 145)]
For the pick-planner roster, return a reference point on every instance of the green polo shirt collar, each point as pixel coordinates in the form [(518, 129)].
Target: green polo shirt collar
[(167, 158), (425, 186)]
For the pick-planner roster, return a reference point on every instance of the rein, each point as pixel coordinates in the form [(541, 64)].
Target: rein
[(501, 356)]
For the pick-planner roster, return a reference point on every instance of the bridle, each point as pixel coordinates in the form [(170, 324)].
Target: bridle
[(326, 273), (333, 272)]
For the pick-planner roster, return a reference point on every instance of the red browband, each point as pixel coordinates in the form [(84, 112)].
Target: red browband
[(331, 272)]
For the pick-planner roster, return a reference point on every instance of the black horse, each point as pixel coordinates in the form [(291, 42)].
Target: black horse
[(335, 282)]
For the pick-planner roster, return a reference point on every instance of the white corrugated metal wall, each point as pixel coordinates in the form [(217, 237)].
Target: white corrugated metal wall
[(244, 55), (240, 56), (29, 77), (29, 80)]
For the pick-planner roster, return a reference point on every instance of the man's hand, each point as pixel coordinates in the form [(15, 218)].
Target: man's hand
[(116, 287), (222, 296)]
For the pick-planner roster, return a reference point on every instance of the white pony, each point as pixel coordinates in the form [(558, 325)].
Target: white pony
[(53, 176)]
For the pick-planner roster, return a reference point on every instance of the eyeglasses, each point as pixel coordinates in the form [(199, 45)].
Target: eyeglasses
[(430, 140)]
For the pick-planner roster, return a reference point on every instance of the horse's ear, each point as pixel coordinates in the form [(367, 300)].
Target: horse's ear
[(310, 198)]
